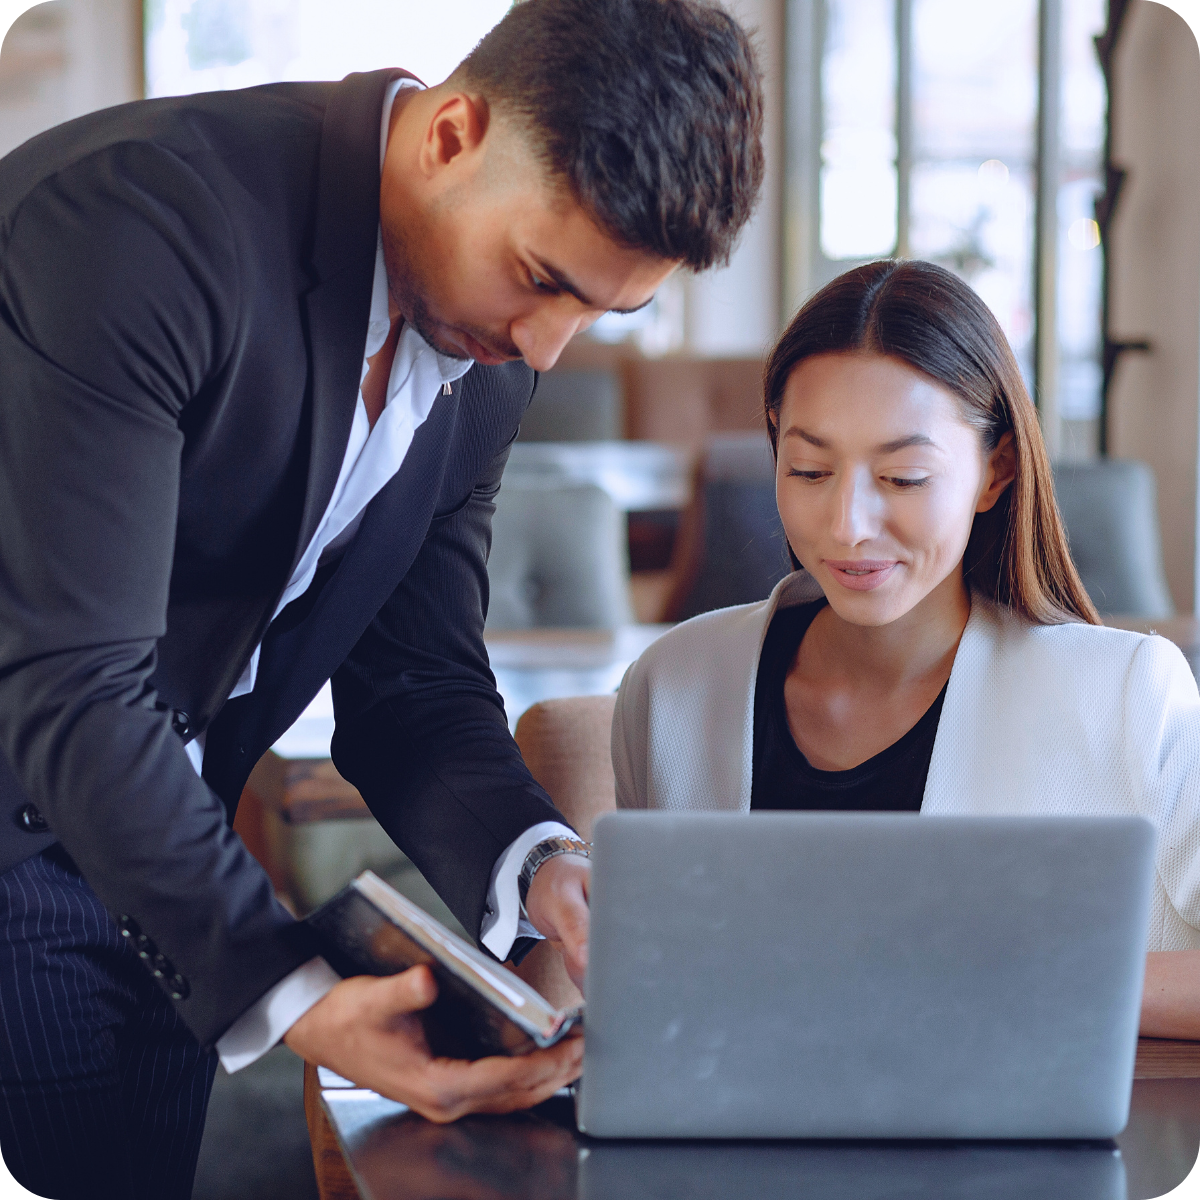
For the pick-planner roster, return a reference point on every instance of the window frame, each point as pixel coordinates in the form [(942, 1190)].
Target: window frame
[(805, 267)]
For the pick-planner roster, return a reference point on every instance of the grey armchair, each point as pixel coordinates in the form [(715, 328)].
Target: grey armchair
[(559, 557), (731, 547), (574, 406), (1110, 508)]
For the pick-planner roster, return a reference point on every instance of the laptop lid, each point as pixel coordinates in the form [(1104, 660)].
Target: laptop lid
[(863, 975)]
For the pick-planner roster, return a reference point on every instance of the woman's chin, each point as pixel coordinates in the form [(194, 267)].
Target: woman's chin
[(880, 606), (868, 616)]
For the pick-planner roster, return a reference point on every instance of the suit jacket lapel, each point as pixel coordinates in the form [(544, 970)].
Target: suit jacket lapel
[(395, 523), (955, 783), (343, 260), (297, 657)]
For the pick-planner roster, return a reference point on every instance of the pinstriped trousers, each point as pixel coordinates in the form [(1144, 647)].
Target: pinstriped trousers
[(103, 1089)]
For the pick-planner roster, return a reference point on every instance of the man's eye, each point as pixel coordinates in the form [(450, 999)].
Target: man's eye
[(542, 285), (810, 475)]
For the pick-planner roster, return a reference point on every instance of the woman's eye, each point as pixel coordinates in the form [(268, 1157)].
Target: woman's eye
[(542, 285), (794, 473), (906, 484)]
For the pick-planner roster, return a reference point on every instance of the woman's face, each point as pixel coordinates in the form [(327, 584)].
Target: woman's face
[(878, 481)]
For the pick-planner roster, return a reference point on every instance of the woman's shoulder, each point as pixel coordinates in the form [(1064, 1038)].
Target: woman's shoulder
[(1075, 645), (703, 633), (725, 633)]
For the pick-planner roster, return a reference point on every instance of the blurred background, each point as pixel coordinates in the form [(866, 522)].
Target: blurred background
[(1045, 150), (1042, 149)]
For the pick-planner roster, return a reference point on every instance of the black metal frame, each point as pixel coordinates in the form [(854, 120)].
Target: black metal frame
[(1106, 203)]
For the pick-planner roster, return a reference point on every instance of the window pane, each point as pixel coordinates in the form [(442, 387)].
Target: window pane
[(203, 45), (974, 149), (1080, 259), (1083, 95), (974, 79), (858, 138)]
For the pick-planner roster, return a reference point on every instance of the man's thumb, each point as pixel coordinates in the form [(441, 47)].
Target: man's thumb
[(407, 992)]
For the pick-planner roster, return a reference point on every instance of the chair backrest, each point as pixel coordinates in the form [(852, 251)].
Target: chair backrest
[(731, 547), (567, 747), (574, 406), (1110, 508), (559, 557)]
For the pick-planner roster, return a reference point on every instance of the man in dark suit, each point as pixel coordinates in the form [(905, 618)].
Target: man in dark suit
[(213, 499)]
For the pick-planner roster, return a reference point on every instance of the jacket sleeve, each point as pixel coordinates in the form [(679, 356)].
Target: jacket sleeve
[(1162, 746), (118, 302), (420, 728)]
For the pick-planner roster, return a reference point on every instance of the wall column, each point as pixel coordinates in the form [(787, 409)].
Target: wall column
[(735, 311), (1155, 263)]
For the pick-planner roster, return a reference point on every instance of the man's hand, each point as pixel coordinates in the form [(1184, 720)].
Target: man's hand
[(557, 905), (365, 1030)]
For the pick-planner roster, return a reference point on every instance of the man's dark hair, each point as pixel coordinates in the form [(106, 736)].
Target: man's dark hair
[(649, 110)]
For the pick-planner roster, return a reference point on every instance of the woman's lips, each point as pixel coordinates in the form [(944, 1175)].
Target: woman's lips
[(863, 575)]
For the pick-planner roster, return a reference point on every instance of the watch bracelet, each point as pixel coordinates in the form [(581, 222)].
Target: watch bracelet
[(527, 873)]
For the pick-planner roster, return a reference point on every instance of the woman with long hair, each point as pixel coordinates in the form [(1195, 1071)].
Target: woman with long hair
[(934, 650)]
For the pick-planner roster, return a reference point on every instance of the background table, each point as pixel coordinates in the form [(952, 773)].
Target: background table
[(637, 475), (393, 1154), (311, 829), (529, 665)]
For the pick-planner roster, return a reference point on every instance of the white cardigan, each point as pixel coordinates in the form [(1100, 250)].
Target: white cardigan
[(1057, 719)]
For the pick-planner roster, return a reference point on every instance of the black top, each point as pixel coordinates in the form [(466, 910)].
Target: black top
[(892, 781)]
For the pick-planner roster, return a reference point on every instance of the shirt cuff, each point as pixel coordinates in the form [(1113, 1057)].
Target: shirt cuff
[(503, 921), (262, 1025)]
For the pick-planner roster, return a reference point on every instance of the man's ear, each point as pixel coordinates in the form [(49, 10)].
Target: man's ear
[(455, 133), (1001, 471)]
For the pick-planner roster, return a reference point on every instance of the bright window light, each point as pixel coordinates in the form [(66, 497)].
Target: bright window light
[(858, 138), (209, 45)]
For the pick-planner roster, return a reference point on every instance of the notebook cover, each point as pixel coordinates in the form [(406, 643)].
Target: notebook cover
[(369, 928)]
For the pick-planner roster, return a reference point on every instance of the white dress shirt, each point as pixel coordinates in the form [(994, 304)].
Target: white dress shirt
[(373, 456)]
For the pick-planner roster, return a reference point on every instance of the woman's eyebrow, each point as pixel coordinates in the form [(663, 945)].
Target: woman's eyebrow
[(805, 436), (903, 443), (913, 439)]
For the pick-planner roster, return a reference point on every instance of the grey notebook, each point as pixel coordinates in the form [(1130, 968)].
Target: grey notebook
[(864, 975)]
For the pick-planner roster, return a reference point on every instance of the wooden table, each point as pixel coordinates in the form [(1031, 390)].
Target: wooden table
[(368, 1147), (398, 1156)]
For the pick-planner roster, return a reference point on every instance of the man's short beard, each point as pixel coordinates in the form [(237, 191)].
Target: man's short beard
[(405, 292), (422, 321)]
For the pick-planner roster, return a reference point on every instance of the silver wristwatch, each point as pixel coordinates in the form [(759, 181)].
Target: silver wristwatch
[(548, 848)]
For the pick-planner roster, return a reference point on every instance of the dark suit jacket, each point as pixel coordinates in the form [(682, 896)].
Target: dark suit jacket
[(184, 293)]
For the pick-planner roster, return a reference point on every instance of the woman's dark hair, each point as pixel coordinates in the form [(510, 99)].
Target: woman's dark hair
[(923, 315), (650, 111)]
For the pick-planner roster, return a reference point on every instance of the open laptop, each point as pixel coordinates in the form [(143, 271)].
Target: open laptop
[(858, 975)]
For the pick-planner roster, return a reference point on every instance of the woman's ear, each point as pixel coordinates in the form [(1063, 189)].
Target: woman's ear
[(1001, 471), (773, 435)]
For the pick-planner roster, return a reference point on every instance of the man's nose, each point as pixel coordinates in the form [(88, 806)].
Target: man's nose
[(541, 336), (856, 515)]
